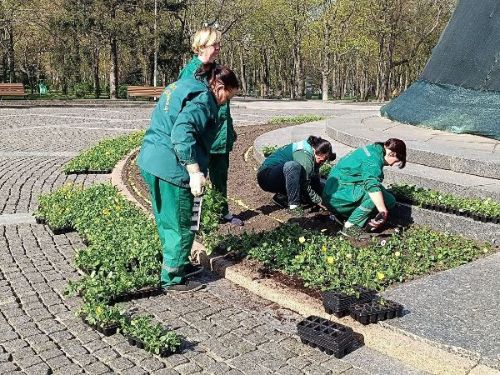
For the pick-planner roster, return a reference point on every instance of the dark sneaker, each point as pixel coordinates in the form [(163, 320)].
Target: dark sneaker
[(334, 218), (354, 232), (296, 212), (192, 270), (281, 200), (187, 286), (233, 220)]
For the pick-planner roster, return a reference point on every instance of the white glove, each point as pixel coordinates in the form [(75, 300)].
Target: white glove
[(196, 182)]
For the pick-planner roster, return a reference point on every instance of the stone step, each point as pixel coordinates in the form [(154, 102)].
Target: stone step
[(462, 153)]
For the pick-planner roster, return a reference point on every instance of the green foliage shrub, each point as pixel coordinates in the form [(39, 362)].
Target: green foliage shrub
[(104, 156)]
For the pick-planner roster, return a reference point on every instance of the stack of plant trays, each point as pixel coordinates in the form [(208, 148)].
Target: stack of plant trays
[(338, 303), (332, 338), (376, 310)]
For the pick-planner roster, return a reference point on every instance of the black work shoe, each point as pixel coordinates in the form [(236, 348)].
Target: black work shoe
[(187, 286), (296, 212), (281, 200), (354, 232), (192, 270), (233, 220)]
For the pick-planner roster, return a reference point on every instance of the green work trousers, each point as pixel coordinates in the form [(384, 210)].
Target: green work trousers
[(172, 207), (353, 202), (218, 167)]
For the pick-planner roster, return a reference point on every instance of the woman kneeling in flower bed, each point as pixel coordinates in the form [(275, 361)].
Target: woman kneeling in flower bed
[(174, 160), (354, 188)]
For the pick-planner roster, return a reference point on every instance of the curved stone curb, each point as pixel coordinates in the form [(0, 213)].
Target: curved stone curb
[(441, 155), (460, 225), (411, 350)]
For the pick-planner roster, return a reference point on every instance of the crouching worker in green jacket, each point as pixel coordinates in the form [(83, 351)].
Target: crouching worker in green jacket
[(292, 172), (354, 188), (206, 46), (174, 159)]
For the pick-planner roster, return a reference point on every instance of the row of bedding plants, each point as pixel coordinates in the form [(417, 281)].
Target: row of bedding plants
[(486, 210), (122, 259), (296, 120), (326, 263), (103, 157)]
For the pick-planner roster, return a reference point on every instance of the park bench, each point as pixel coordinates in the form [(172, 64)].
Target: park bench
[(145, 91), (12, 89)]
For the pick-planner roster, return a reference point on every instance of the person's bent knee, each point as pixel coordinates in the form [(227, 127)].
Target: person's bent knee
[(291, 167)]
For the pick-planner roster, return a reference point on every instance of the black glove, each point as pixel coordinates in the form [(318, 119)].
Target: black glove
[(378, 220)]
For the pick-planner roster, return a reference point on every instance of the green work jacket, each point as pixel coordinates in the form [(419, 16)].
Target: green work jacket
[(226, 135), (181, 132), (303, 153), (362, 167)]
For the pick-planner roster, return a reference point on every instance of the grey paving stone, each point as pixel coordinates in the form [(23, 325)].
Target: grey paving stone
[(13, 345), (4, 357), (28, 361), (136, 370), (69, 370), (7, 367), (188, 368), (151, 364), (58, 362), (165, 371), (106, 354), (51, 353), (39, 369), (120, 363), (97, 368), (84, 360)]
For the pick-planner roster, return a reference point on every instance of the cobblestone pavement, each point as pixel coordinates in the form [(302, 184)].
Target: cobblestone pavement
[(227, 330)]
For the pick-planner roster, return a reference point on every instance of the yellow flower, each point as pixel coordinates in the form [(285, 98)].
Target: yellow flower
[(302, 239), (323, 248), (348, 256), (330, 260), (397, 254), (98, 311), (485, 250), (380, 276), (105, 212)]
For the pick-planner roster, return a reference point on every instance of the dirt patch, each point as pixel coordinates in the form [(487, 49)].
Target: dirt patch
[(246, 200)]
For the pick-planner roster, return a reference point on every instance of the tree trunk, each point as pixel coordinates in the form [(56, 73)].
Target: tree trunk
[(10, 54), (97, 85), (113, 71), (243, 79)]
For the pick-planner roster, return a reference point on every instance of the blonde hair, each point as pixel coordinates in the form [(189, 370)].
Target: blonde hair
[(205, 37)]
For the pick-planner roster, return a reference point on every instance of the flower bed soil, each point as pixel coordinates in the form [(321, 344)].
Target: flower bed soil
[(246, 200)]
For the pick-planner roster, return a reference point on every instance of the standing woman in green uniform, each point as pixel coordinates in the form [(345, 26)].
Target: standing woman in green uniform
[(354, 188), (174, 159), (292, 172), (206, 46)]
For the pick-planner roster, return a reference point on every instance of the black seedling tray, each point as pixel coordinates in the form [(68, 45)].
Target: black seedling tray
[(332, 338), (107, 330), (40, 220), (140, 344), (149, 291), (338, 303), (63, 230), (375, 311)]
